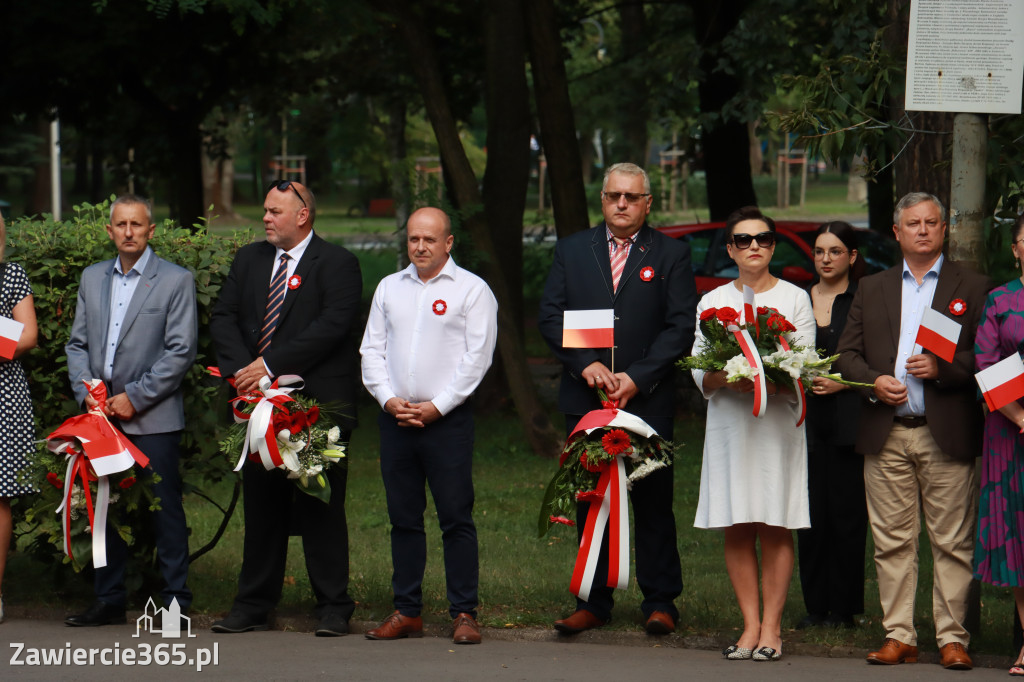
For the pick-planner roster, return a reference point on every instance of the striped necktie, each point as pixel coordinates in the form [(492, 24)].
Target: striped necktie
[(275, 298), (618, 259)]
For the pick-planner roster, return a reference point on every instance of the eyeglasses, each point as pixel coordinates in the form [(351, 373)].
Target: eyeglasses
[(764, 240), (833, 253), (284, 186), (631, 197)]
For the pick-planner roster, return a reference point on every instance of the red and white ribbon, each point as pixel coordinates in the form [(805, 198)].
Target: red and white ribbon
[(612, 488), (754, 360), (260, 438), (801, 402), (94, 449)]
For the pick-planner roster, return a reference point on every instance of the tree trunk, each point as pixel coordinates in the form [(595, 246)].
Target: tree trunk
[(39, 200), (922, 165), (726, 144), (634, 117), (508, 140), (186, 187), (401, 188), (536, 426), (554, 110), (219, 184)]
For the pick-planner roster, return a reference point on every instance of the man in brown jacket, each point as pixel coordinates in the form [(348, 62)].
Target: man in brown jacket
[(920, 430)]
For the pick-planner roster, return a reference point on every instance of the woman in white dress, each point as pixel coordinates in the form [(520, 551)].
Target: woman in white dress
[(753, 482)]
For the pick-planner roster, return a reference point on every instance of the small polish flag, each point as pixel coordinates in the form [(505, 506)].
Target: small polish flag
[(10, 333), (938, 334), (588, 329), (108, 456), (1003, 382)]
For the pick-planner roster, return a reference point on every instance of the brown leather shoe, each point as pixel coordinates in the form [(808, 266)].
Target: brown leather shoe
[(397, 626), (578, 622), (466, 630), (660, 623), (892, 652), (954, 656)]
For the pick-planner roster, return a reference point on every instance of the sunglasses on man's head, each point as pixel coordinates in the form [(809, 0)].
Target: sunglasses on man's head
[(284, 186), (743, 240)]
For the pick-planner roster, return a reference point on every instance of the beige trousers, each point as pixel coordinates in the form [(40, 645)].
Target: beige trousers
[(909, 475)]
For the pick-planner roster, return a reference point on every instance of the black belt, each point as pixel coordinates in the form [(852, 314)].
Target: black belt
[(911, 422)]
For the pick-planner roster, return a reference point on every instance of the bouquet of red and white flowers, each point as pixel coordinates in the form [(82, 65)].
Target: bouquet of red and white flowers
[(284, 431), (607, 451), (784, 364)]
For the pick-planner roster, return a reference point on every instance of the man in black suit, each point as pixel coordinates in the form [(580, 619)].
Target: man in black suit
[(309, 333), (647, 279)]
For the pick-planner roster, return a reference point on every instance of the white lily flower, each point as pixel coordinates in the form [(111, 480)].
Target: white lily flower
[(289, 450)]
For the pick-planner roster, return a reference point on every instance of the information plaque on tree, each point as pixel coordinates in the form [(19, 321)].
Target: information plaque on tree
[(965, 56)]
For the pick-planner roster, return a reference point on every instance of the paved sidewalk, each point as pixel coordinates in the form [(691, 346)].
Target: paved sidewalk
[(523, 654)]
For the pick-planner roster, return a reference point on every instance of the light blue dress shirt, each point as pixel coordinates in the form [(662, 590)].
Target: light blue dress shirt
[(916, 299), (122, 288)]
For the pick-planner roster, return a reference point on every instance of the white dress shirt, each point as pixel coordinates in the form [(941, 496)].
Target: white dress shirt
[(916, 298), (122, 288), (429, 341)]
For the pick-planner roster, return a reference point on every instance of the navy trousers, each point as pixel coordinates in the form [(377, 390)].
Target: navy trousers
[(439, 455), (274, 509), (169, 523), (658, 571)]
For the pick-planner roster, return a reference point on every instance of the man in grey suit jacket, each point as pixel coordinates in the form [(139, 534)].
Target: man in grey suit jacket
[(135, 328)]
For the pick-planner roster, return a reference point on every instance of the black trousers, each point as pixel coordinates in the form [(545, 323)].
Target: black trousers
[(273, 506), (439, 455), (831, 551), (168, 522), (658, 571)]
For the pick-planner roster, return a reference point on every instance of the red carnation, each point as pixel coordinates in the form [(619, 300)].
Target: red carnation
[(761, 310), (708, 314), (727, 316), (127, 482), (55, 481), (561, 519), (588, 496), (615, 442)]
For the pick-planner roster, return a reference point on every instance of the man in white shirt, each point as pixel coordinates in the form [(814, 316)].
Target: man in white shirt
[(428, 342)]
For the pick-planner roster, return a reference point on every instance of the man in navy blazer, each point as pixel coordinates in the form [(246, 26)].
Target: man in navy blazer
[(135, 328), (314, 338), (647, 279)]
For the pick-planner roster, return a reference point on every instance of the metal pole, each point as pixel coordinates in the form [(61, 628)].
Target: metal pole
[(967, 190), (55, 166)]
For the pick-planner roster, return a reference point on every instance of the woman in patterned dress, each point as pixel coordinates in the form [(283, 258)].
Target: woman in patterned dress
[(999, 552), (16, 429)]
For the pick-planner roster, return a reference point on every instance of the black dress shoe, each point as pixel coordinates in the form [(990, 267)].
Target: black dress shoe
[(332, 625), (240, 622), (811, 620), (100, 613), (837, 621)]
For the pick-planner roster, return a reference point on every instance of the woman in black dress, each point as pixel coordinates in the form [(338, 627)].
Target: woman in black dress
[(831, 551)]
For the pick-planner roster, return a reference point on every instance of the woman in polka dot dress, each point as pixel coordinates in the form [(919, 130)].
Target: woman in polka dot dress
[(16, 430)]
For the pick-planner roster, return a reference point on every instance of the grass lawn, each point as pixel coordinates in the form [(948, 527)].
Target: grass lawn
[(523, 579)]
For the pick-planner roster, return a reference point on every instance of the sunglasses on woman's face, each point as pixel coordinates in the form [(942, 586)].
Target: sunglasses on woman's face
[(743, 240)]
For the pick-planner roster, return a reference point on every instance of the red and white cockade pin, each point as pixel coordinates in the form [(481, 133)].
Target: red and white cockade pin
[(439, 307), (294, 282), (958, 307), (647, 274)]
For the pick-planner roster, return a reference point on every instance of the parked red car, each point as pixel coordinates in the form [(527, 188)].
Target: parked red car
[(793, 260)]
